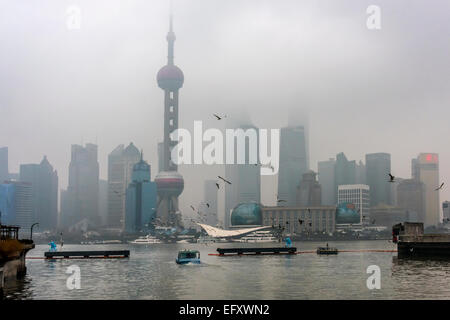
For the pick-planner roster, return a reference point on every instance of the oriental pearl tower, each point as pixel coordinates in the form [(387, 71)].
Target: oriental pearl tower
[(169, 182)]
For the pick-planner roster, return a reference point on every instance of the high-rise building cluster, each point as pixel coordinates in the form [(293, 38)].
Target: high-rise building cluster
[(360, 194)]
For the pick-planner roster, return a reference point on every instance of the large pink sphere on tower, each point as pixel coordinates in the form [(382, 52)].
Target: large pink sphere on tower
[(169, 183), (170, 77)]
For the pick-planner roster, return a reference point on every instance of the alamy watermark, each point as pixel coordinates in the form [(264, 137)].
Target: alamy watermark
[(73, 20), (74, 280), (249, 146), (374, 19), (374, 280)]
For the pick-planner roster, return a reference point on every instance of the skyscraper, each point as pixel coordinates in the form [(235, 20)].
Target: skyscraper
[(4, 171), (140, 199), (44, 186), (82, 191), (120, 167), (360, 173), (309, 191), (378, 166), (103, 201), (16, 205), (245, 177), (345, 170), (169, 182), (293, 163), (411, 196), (425, 168), (327, 181)]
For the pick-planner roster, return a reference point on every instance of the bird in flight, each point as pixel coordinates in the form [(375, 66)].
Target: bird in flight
[(224, 179), (440, 187), (193, 208), (391, 177), (300, 220), (219, 117), (217, 185)]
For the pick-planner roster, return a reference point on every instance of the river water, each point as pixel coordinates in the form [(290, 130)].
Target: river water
[(151, 273)]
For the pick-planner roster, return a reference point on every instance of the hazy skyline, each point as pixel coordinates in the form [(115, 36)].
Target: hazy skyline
[(363, 91)]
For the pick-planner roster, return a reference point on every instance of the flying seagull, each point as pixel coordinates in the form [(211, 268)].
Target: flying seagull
[(391, 177), (218, 117), (440, 187), (224, 179)]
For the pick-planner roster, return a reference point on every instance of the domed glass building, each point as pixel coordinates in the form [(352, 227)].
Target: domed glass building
[(246, 214)]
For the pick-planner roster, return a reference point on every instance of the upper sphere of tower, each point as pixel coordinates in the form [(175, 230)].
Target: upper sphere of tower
[(170, 78)]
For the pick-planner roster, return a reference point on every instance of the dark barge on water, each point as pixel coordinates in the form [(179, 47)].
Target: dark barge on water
[(327, 250), (412, 242), (103, 254), (253, 251)]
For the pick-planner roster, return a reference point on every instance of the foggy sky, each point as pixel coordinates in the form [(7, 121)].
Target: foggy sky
[(362, 91)]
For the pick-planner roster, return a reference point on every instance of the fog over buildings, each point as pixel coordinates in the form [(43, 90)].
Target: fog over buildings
[(361, 91)]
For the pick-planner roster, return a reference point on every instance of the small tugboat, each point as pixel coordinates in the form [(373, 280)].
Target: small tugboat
[(327, 250), (188, 256)]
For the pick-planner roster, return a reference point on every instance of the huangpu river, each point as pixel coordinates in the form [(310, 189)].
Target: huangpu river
[(151, 273)]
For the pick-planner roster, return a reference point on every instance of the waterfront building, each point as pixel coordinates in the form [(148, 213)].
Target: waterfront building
[(16, 205), (140, 199), (359, 195), (120, 167), (169, 182), (44, 188), (309, 191), (210, 204), (425, 168), (317, 219), (327, 181), (4, 170), (378, 167), (82, 198), (411, 196), (294, 162)]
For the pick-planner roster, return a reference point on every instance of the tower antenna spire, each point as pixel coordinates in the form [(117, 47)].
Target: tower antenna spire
[(170, 37), (171, 16)]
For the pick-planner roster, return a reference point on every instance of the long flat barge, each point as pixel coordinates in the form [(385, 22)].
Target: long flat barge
[(87, 254), (412, 242), (254, 251)]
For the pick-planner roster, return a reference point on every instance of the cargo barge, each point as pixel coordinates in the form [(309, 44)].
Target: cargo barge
[(412, 242)]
